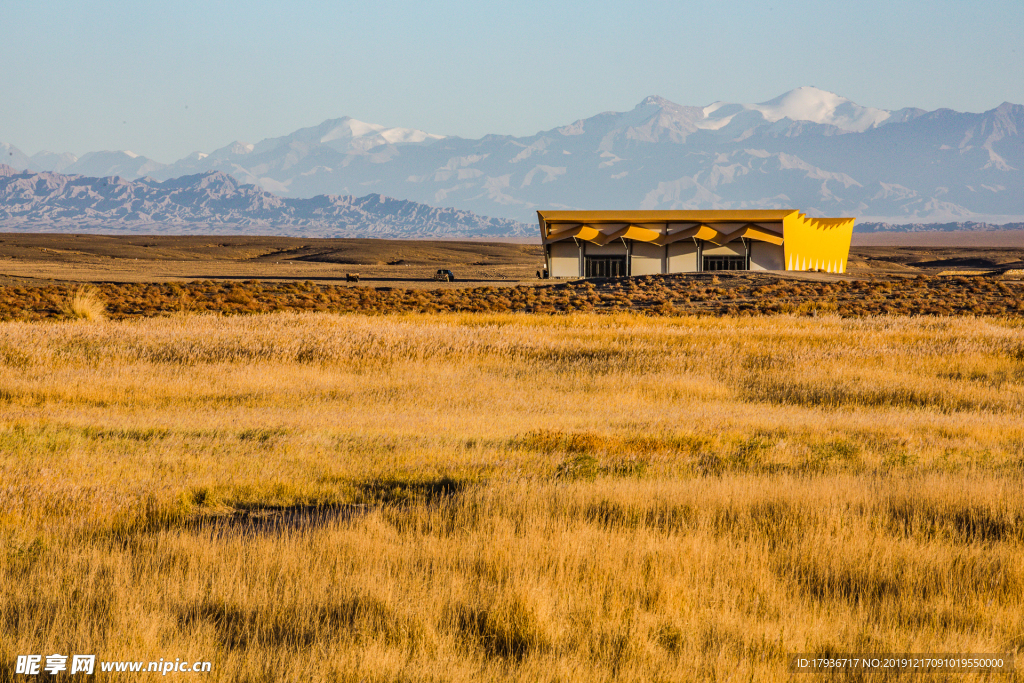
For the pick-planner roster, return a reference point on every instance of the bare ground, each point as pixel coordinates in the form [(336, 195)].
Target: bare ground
[(46, 258), (405, 263)]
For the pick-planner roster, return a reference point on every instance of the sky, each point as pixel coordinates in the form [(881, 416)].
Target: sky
[(165, 79)]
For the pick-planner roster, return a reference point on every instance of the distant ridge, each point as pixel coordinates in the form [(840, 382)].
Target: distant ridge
[(809, 149), (215, 203), (966, 226)]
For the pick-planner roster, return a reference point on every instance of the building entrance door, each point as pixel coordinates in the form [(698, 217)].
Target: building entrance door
[(725, 263), (606, 266)]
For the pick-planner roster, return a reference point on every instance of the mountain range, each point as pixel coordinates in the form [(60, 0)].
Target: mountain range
[(807, 149), (215, 203)]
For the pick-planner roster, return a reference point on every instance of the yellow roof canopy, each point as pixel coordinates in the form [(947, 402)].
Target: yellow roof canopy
[(591, 217), (602, 227)]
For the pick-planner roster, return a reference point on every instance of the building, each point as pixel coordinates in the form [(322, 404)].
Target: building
[(617, 243)]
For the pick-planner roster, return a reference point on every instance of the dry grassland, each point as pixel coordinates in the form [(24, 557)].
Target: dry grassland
[(724, 294), (466, 497)]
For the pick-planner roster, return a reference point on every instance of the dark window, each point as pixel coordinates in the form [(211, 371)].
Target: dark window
[(725, 263), (606, 266)]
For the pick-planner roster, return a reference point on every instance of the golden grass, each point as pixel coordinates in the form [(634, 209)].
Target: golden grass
[(86, 303), (509, 497)]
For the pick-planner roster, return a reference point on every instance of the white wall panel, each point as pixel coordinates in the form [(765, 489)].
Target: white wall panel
[(565, 259), (766, 256), (682, 257), (648, 259)]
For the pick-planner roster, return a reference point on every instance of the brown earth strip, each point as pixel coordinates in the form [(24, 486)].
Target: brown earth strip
[(700, 294)]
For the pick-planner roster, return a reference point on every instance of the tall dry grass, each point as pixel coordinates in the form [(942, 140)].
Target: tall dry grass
[(86, 303), (485, 497)]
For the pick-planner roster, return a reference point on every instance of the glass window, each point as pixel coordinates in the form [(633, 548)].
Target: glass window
[(725, 263), (606, 266)]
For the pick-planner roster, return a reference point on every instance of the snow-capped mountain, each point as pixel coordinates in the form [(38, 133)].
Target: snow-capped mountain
[(214, 202), (331, 140), (51, 161), (808, 149), (97, 164), (120, 163), (12, 156), (42, 161), (802, 104)]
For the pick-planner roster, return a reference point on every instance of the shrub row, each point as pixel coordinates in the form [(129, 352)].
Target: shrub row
[(657, 295)]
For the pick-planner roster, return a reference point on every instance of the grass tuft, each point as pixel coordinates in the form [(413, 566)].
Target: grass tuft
[(86, 303)]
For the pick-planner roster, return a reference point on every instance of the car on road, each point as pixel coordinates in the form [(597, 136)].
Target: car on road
[(444, 275)]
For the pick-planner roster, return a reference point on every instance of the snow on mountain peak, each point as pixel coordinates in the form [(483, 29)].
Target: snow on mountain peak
[(130, 153), (654, 100), (820, 106), (806, 103), (345, 135), (408, 135), (353, 128)]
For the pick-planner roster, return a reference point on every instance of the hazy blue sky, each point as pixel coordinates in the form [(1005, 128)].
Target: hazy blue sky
[(167, 78)]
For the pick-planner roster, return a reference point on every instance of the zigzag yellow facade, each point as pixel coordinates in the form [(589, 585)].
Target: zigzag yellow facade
[(612, 243), (817, 243)]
